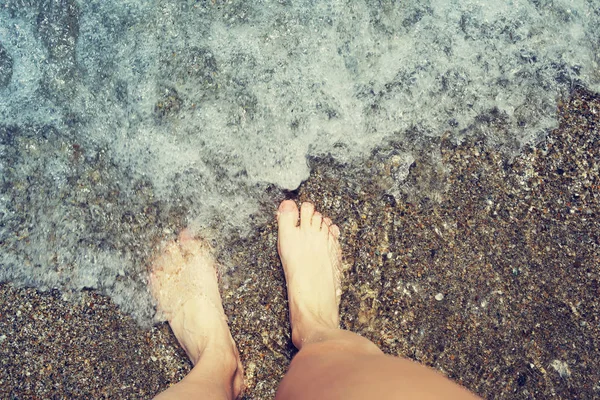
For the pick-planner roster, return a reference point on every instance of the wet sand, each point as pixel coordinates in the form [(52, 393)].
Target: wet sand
[(492, 279)]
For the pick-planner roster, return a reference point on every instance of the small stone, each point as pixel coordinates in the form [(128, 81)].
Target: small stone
[(6, 67), (562, 368), (250, 370), (439, 297)]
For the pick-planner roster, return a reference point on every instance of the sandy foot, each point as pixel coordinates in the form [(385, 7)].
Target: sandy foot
[(184, 283)]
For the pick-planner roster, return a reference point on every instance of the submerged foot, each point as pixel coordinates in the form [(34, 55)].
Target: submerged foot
[(183, 281), (311, 258)]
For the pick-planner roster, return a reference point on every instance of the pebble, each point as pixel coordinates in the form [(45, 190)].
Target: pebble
[(439, 297), (562, 368)]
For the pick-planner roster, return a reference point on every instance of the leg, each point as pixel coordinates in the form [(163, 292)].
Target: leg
[(333, 363), (184, 283)]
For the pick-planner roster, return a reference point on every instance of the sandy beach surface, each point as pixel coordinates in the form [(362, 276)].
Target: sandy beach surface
[(492, 279)]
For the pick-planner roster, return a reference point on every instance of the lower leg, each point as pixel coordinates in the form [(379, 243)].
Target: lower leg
[(209, 379)]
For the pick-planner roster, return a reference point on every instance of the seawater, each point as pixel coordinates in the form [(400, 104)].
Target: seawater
[(121, 121)]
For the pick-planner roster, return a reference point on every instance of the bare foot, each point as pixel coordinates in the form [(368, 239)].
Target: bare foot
[(312, 261), (184, 283)]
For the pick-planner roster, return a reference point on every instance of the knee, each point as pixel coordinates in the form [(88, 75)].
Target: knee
[(333, 353), (339, 340), (326, 358)]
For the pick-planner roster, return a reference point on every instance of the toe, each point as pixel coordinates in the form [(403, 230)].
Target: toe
[(327, 221), (316, 221), (335, 231), (306, 213), (194, 248), (188, 244), (185, 235), (152, 281), (171, 249), (287, 214), (162, 263)]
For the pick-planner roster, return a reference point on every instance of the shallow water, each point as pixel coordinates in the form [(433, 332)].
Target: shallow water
[(122, 121)]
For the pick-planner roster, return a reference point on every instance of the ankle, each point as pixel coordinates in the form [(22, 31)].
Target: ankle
[(311, 329), (197, 339), (221, 359), (219, 368)]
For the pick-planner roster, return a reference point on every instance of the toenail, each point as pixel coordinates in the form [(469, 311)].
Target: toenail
[(285, 206)]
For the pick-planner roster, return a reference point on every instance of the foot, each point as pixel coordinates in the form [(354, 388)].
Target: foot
[(183, 281), (312, 259)]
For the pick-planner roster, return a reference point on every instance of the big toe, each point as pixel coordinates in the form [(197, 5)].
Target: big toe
[(167, 261), (287, 214), (192, 246)]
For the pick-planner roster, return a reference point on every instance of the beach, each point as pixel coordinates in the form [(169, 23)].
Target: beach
[(483, 267)]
